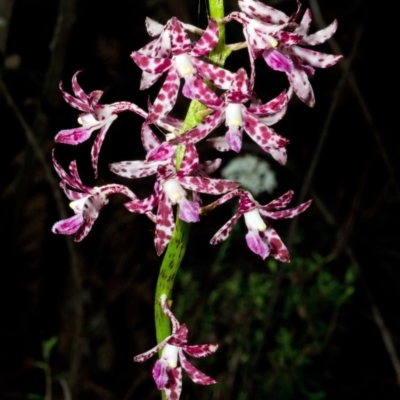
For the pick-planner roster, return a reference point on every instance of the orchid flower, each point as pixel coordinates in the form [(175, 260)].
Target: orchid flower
[(167, 371), (170, 190), (299, 62), (86, 201), (254, 120), (95, 116), (261, 238), (182, 61), (279, 40)]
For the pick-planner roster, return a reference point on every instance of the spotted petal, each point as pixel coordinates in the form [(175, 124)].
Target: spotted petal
[(207, 185), (165, 224), (208, 41), (75, 136), (134, 169), (225, 230), (258, 10), (151, 65), (221, 78), (194, 374), (277, 248), (285, 214), (166, 97), (262, 134), (321, 36)]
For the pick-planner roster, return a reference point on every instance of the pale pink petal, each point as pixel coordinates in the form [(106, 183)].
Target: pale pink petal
[(189, 211), (305, 24), (154, 28), (149, 139), (321, 36), (256, 244), (148, 79), (159, 373), (68, 226), (315, 58), (75, 135), (188, 89), (234, 138), (301, 85), (277, 61), (219, 143), (279, 155)]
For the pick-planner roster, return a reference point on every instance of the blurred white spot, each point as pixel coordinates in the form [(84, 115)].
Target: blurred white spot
[(252, 172)]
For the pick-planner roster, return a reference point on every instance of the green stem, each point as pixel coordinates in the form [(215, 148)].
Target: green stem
[(177, 245)]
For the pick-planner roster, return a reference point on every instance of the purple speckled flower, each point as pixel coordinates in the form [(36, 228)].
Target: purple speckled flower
[(261, 238), (170, 189), (229, 108), (95, 116), (280, 41), (167, 371), (85, 201), (182, 60)]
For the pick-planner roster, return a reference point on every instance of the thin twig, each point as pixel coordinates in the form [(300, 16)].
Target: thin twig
[(65, 389)]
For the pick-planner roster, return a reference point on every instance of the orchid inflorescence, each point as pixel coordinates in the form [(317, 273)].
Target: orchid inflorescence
[(180, 175)]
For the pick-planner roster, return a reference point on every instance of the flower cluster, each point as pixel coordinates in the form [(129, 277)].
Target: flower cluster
[(181, 175)]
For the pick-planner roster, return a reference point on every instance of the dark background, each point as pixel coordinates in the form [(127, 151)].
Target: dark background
[(101, 290)]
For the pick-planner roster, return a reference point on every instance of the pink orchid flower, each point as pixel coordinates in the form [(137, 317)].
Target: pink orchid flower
[(167, 371)]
